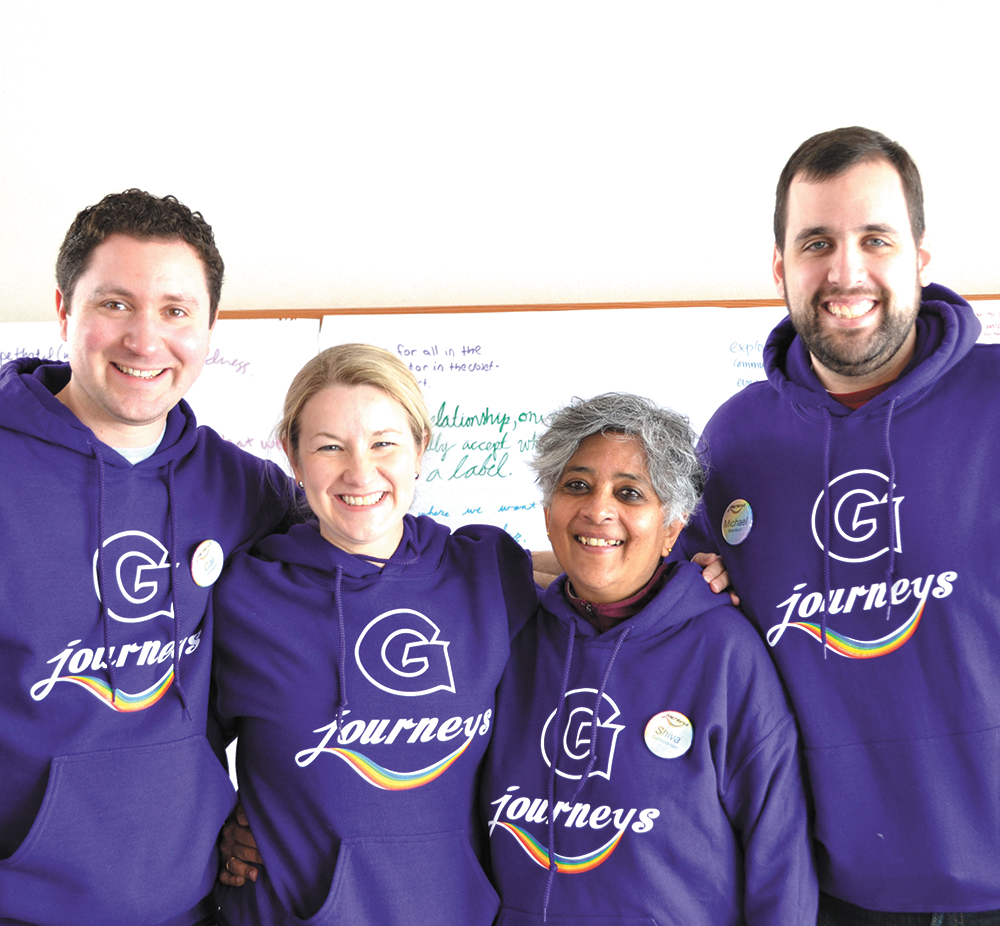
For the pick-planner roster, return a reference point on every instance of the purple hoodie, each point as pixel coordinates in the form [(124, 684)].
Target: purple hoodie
[(113, 797), (888, 515), (365, 699), (691, 808)]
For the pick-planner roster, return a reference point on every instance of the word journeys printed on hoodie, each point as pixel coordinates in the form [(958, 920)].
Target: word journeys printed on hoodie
[(401, 653), (861, 525), (598, 829), (141, 620)]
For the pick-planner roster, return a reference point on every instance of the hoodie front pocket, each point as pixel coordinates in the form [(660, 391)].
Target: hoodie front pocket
[(124, 837), (509, 917), (429, 880)]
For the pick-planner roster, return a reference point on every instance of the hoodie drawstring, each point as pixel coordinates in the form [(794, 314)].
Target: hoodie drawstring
[(173, 585), (890, 515), (101, 579), (890, 498), (342, 630), (551, 791), (556, 725), (827, 427), (341, 653), (597, 706), (102, 583)]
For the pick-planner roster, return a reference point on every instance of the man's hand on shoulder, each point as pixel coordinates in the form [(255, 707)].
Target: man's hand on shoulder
[(713, 571)]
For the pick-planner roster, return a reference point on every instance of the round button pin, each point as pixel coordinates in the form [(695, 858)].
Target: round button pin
[(737, 521), (206, 564), (669, 734)]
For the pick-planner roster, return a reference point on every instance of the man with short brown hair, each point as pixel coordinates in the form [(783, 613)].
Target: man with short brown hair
[(116, 514), (849, 495)]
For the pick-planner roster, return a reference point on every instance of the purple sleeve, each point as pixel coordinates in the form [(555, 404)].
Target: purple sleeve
[(766, 803), (521, 595)]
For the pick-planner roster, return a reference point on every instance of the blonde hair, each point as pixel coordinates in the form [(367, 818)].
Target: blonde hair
[(354, 365)]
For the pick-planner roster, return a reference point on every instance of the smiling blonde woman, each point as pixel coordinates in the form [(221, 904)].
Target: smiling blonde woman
[(358, 658)]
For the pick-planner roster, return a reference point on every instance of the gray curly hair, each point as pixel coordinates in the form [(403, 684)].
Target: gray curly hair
[(667, 440)]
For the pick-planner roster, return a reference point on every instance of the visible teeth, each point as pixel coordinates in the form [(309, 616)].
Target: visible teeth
[(358, 500), (599, 542), (849, 309), (141, 374)]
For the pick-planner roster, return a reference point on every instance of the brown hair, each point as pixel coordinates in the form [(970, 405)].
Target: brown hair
[(139, 215), (831, 153)]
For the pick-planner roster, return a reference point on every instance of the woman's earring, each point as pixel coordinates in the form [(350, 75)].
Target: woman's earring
[(302, 485)]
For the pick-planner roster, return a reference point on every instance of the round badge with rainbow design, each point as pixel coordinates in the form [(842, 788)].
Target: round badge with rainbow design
[(737, 521), (669, 734), (206, 564)]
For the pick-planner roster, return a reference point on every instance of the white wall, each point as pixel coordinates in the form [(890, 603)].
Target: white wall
[(420, 153)]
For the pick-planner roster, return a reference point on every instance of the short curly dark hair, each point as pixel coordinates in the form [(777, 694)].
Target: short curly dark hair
[(141, 215)]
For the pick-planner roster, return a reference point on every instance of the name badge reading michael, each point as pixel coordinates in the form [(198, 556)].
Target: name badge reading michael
[(669, 734), (206, 564), (736, 522)]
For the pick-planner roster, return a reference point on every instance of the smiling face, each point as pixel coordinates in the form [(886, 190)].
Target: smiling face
[(605, 521), (851, 273), (137, 332), (359, 462)]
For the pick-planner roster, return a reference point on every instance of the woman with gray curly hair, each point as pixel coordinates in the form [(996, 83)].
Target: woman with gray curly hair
[(644, 764), (666, 439)]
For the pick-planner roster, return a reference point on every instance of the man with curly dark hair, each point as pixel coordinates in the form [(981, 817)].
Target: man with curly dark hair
[(117, 512)]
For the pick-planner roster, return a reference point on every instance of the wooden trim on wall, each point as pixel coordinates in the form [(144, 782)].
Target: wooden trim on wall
[(545, 307)]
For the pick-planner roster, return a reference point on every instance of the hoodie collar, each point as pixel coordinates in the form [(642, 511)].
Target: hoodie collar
[(28, 404), (421, 547), (683, 596), (606, 616), (947, 328)]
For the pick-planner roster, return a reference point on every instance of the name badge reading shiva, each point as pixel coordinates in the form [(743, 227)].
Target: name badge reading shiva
[(669, 734), (206, 564)]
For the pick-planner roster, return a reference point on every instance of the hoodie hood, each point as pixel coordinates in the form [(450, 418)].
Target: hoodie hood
[(28, 404), (684, 596), (420, 552), (947, 328)]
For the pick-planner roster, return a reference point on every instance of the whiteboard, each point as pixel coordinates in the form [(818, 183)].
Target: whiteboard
[(31, 339), (250, 364), (242, 388), (490, 379), (988, 313)]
